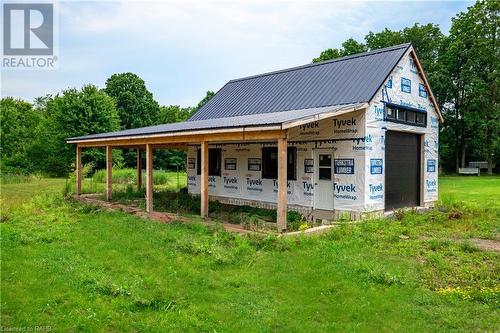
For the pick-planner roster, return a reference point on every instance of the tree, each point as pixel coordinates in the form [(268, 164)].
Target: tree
[(72, 113), (205, 99), (174, 113), (134, 103), (18, 121), (463, 71), (352, 46), (349, 47), (472, 66), (385, 38), (173, 158), (426, 39)]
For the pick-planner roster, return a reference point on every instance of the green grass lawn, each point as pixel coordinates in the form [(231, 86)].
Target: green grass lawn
[(16, 194), (77, 268), (480, 192)]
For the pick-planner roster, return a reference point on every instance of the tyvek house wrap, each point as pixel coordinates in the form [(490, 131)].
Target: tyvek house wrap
[(343, 136), (376, 128)]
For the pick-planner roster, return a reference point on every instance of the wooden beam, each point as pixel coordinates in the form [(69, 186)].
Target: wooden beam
[(180, 138), (204, 179), (109, 172), (281, 219), (149, 178), (139, 168), (187, 170), (78, 165), (180, 146)]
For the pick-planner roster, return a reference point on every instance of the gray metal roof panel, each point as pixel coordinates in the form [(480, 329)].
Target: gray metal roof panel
[(281, 96), (268, 119), (352, 79)]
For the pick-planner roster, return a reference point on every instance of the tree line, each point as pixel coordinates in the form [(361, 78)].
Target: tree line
[(463, 72), (462, 69), (34, 134)]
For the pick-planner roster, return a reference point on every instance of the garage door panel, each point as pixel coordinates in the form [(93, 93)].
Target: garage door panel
[(402, 170)]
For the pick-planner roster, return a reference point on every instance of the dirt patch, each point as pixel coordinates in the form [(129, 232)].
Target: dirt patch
[(486, 244), (482, 244)]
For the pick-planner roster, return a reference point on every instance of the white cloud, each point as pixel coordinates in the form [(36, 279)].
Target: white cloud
[(182, 49)]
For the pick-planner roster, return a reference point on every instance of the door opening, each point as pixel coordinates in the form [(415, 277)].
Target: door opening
[(323, 179), (402, 172)]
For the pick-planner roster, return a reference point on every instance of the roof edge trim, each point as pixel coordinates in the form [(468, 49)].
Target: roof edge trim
[(239, 129)]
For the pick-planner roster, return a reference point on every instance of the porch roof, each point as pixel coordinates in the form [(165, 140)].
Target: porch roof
[(266, 121)]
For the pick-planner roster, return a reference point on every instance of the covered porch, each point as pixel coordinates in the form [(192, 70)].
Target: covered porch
[(273, 128), (145, 146)]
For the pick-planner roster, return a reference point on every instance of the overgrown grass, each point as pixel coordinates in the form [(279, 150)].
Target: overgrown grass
[(129, 176), (77, 268), (185, 203), (11, 178), (126, 179)]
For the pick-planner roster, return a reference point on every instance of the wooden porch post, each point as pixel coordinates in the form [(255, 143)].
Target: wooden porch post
[(282, 185), (109, 172), (78, 170), (204, 179), (139, 169), (149, 178), (187, 169)]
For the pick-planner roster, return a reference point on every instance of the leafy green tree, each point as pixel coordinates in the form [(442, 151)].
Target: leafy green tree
[(205, 99), (384, 38), (462, 69), (72, 113), (174, 113), (18, 121), (472, 66), (328, 54), (135, 104), (352, 46), (174, 159), (349, 47), (426, 39)]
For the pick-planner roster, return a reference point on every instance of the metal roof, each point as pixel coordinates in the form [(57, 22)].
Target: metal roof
[(275, 98), (264, 120), (352, 79)]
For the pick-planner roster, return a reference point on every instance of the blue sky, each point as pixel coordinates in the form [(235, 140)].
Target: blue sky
[(183, 49)]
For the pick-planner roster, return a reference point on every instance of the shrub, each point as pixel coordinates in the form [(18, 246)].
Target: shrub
[(251, 221), (295, 220), (129, 176)]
